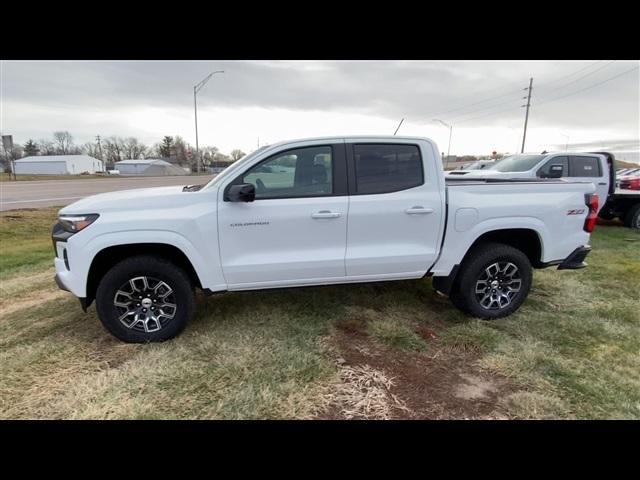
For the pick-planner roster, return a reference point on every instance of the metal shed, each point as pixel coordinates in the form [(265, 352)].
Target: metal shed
[(58, 165), (149, 167)]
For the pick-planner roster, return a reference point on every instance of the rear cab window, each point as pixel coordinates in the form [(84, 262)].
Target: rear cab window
[(386, 168), (584, 166)]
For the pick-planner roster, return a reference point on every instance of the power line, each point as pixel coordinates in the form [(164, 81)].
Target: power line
[(589, 87), (476, 103), (485, 108), (580, 78), (571, 74), (518, 91)]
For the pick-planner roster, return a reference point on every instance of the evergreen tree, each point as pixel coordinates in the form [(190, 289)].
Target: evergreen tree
[(30, 148)]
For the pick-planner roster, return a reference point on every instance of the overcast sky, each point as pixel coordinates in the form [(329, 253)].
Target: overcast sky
[(277, 100)]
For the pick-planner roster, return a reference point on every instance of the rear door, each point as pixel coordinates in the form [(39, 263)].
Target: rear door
[(395, 209), (590, 168)]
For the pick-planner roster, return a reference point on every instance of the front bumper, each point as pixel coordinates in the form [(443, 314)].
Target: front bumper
[(576, 259), (60, 283)]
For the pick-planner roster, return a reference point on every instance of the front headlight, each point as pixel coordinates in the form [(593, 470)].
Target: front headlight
[(75, 223)]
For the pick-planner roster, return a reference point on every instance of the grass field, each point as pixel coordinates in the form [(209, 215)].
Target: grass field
[(5, 177), (386, 350)]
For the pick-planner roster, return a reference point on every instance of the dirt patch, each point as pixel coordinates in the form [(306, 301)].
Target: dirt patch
[(7, 308), (440, 384)]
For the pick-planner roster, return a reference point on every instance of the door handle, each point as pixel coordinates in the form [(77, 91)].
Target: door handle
[(325, 214), (418, 210), (602, 183)]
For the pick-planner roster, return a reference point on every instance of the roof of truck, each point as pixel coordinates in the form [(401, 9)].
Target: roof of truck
[(348, 137)]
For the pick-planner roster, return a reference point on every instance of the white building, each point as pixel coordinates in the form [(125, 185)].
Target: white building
[(150, 167), (59, 165)]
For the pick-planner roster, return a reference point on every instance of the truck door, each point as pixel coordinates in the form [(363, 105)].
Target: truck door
[(395, 210), (590, 168), (295, 230)]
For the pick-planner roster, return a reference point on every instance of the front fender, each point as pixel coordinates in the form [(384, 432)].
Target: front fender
[(204, 258)]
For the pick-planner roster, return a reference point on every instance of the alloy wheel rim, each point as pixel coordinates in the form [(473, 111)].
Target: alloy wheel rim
[(145, 304), (498, 285)]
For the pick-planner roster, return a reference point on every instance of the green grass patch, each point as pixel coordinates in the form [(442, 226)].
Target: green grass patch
[(397, 334), (25, 239)]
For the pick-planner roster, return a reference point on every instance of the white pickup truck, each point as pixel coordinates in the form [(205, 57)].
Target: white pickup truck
[(315, 212)]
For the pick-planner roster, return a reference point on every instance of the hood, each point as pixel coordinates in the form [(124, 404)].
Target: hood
[(140, 199), (474, 173)]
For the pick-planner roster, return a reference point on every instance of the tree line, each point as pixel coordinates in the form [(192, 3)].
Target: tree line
[(113, 149)]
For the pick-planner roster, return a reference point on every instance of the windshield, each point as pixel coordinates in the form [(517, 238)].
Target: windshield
[(516, 163), (234, 166)]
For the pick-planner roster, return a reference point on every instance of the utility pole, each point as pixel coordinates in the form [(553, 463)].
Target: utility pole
[(196, 89), (450, 127), (526, 117), (99, 146)]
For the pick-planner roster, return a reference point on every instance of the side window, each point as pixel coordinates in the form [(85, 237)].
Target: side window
[(564, 161), (584, 167), (387, 168), (303, 172)]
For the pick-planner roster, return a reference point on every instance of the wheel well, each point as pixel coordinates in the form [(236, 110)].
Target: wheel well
[(107, 258), (524, 239)]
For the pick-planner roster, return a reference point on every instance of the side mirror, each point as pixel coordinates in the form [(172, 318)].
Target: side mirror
[(245, 192), (555, 171)]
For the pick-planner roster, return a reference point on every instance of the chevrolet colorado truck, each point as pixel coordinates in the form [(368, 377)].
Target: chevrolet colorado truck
[(315, 212)]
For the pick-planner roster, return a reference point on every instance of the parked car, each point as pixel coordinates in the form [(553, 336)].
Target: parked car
[(627, 178), (630, 182), (477, 165), (140, 253), (596, 167)]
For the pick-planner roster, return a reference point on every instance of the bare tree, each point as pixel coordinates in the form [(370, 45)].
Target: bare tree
[(113, 150), (46, 147), (237, 154), (63, 142), (133, 148), (90, 149)]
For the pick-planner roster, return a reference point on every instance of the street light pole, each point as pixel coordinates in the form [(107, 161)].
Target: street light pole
[(566, 147), (450, 127), (196, 88)]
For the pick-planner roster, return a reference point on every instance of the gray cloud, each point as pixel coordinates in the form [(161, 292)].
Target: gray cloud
[(418, 91)]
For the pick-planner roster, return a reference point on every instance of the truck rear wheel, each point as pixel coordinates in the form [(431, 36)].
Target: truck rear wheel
[(632, 217), (493, 281), (145, 299)]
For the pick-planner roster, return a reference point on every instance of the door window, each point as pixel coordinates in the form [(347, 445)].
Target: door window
[(564, 161), (302, 172), (582, 166), (387, 168)]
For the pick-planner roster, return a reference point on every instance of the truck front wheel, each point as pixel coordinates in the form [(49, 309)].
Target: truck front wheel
[(145, 299), (493, 281)]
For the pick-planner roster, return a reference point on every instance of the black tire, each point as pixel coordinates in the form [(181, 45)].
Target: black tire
[(632, 217), (144, 327), (473, 270)]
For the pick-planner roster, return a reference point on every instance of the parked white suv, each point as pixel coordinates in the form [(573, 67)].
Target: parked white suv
[(314, 212)]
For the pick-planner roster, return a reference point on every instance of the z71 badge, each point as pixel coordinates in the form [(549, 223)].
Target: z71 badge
[(578, 211)]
